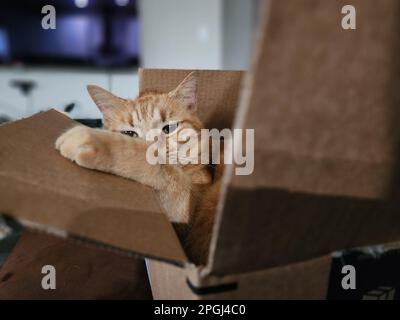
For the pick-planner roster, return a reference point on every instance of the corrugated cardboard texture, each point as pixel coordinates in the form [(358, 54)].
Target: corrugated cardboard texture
[(168, 282), (324, 105), (83, 271), (39, 186), (217, 92), (305, 280), (263, 228), (324, 101)]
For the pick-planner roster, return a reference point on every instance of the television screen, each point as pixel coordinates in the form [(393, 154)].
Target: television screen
[(87, 32)]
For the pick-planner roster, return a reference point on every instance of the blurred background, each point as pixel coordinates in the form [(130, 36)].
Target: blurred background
[(104, 42)]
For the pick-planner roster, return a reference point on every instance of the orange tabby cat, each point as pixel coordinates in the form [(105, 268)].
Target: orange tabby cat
[(188, 193)]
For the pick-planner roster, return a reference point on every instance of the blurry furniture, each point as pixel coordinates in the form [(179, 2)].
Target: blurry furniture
[(25, 87)]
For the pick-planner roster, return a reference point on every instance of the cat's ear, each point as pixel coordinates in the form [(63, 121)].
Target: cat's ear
[(104, 99), (186, 93)]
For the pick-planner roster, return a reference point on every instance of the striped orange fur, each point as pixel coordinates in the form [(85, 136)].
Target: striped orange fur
[(188, 193)]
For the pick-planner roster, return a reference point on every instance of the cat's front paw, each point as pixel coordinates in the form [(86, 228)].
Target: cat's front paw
[(84, 146)]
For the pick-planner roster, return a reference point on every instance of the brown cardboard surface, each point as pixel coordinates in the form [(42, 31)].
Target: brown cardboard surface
[(41, 188), (263, 228), (168, 282), (304, 280), (217, 92), (324, 105), (324, 101), (83, 271)]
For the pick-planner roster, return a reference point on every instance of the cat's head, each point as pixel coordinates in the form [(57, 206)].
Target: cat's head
[(135, 117), (169, 113)]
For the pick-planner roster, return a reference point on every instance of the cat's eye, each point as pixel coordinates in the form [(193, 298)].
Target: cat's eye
[(130, 133), (170, 127)]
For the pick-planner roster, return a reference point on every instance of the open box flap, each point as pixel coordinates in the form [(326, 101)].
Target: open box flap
[(324, 103), (41, 188)]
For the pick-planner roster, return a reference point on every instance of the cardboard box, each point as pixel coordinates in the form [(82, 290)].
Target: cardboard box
[(323, 103), (83, 272)]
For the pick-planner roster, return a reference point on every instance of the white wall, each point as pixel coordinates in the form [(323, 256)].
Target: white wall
[(198, 34), (181, 33)]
